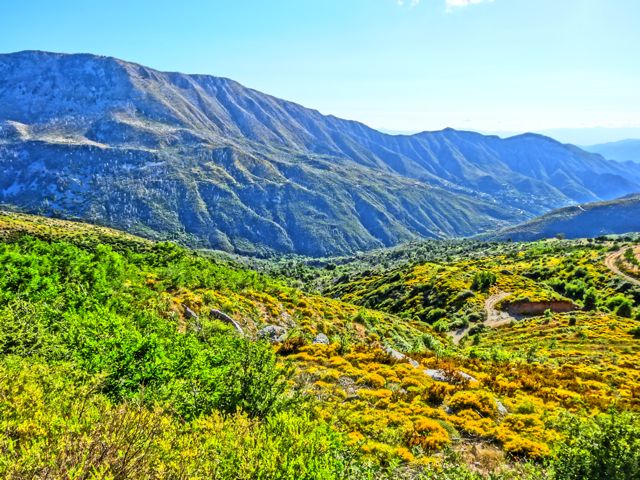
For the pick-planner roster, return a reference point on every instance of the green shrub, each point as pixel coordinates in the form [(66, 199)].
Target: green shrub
[(482, 281), (434, 315), (607, 447), (590, 299), (625, 309), (56, 424)]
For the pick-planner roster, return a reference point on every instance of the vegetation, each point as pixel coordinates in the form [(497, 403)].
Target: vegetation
[(119, 359)]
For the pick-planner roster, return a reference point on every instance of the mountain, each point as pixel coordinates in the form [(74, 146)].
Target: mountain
[(209, 162), (624, 150), (588, 220)]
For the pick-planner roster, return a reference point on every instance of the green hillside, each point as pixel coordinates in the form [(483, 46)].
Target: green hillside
[(126, 358)]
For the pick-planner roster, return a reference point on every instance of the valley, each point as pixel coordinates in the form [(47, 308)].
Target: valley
[(330, 240)]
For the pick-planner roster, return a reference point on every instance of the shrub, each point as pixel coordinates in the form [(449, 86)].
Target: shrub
[(482, 281), (625, 309), (590, 299), (478, 401), (607, 447), (66, 429), (434, 314), (428, 434)]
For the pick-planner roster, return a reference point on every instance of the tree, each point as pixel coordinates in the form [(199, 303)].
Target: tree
[(590, 299)]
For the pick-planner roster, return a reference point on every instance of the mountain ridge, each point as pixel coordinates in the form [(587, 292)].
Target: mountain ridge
[(618, 216), (621, 151), (208, 161)]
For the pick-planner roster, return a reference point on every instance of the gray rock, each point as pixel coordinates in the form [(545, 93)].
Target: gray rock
[(190, 314), (322, 339), (466, 376), (193, 318), (398, 356), (440, 376), (273, 333), (394, 354), (223, 317), (349, 386), (437, 375), (413, 362), (502, 410)]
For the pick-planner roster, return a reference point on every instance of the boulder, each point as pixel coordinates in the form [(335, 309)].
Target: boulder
[(502, 410), (398, 356), (441, 376), (322, 339)]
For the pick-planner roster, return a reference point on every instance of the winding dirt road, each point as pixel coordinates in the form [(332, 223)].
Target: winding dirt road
[(611, 261), (495, 318)]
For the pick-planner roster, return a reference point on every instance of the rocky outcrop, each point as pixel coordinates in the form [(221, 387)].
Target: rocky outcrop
[(442, 376), (398, 356)]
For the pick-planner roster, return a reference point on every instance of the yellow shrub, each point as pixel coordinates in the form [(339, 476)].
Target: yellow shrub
[(373, 379), (523, 447), (428, 434), (478, 401)]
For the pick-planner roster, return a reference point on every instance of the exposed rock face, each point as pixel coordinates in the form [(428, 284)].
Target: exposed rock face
[(538, 308), (209, 162), (190, 314), (502, 410), (398, 356)]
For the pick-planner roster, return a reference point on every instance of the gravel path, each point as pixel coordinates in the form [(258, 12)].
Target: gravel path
[(611, 261)]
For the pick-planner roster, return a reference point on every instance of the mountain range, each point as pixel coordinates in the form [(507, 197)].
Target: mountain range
[(623, 150), (209, 162), (580, 221)]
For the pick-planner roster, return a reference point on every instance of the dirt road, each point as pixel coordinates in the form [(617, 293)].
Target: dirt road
[(611, 261), (495, 318)]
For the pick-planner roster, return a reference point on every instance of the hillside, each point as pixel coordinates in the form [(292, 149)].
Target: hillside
[(138, 359), (621, 151), (214, 164), (587, 220)]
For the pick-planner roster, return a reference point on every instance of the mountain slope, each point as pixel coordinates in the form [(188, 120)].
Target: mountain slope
[(622, 151), (207, 161), (588, 220)]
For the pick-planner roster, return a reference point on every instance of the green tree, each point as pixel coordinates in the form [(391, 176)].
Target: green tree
[(590, 299)]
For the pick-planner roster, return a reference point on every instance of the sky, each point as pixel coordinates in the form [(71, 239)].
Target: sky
[(398, 65)]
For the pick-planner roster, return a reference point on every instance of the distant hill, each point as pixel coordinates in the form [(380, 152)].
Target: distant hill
[(209, 162), (588, 220), (624, 150)]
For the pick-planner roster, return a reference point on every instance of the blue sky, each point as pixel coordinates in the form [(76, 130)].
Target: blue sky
[(501, 65)]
